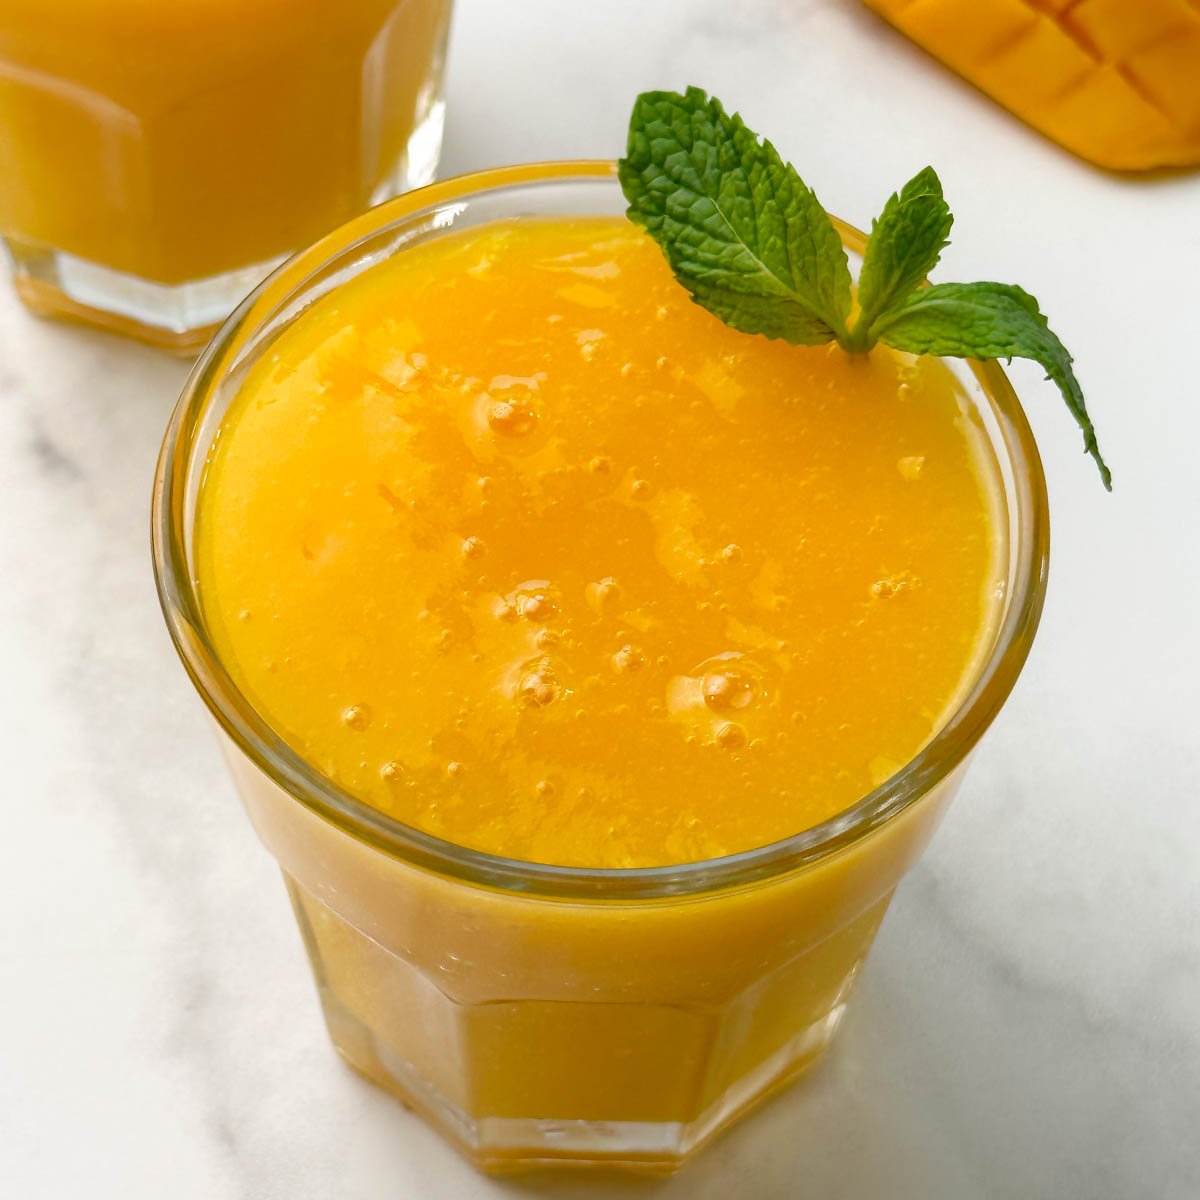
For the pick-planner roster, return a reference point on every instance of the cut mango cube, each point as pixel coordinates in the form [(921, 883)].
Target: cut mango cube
[(1115, 81)]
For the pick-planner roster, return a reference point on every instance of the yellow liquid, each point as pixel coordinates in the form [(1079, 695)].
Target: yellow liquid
[(521, 547), (177, 139)]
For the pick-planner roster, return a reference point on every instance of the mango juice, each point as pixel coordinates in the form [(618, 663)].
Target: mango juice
[(524, 549), (173, 142), (571, 610)]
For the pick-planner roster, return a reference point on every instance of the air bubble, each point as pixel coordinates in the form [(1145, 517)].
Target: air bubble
[(454, 768), (604, 594), (728, 690), (357, 716), (732, 552), (538, 685), (391, 772), (545, 788), (537, 607), (885, 589), (731, 736), (511, 418), (629, 658), (588, 341), (473, 547), (640, 489)]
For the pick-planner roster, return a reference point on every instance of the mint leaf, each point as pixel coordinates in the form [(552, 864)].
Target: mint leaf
[(988, 320), (741, 230), (906, 241), (749, 240)]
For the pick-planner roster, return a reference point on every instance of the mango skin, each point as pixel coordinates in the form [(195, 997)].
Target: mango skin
[(1115, 81)]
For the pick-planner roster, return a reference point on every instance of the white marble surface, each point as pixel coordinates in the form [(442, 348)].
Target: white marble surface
[(1029, 1025)]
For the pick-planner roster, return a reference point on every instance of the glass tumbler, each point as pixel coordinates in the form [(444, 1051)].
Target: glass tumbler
[(159, 157), (540, 1014)]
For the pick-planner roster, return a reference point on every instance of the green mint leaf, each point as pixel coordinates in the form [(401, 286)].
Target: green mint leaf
[(988, 320), (906, 241), (748, 239), (741, 230)]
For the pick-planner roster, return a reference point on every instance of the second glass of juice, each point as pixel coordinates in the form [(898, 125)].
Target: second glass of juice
[(159, 157), (594, 672)]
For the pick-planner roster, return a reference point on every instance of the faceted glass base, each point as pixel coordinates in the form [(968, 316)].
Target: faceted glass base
[(510, 1144), (517, 1079), (178, 317)]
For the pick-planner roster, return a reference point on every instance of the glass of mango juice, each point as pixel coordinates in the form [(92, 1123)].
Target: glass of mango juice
[(158, 157), (594, 672)]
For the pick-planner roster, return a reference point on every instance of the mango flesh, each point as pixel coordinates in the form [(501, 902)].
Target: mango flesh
[(1115, 81)]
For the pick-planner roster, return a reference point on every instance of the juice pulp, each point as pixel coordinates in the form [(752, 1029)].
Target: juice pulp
[(519, 546), (178, 139)]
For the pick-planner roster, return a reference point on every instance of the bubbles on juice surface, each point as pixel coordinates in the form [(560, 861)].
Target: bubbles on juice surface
[(731, 736), (509, 409), (894, 585), (539, 683), (629, 658), (596, 604), (731, 682), (511, 418), (392, 772), (719, 698), (356, 716), (535, 601), (604, 595)]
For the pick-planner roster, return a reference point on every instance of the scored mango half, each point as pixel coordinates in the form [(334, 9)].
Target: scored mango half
[(1115, 81)]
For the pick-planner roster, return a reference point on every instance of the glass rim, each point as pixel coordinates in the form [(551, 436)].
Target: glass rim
[(979, 703)]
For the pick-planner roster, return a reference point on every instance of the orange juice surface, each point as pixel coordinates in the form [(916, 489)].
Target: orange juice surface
[(521, 547)]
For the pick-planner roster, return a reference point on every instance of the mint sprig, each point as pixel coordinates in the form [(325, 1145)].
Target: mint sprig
[(751, 243), (906, 242), (741, 230)]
